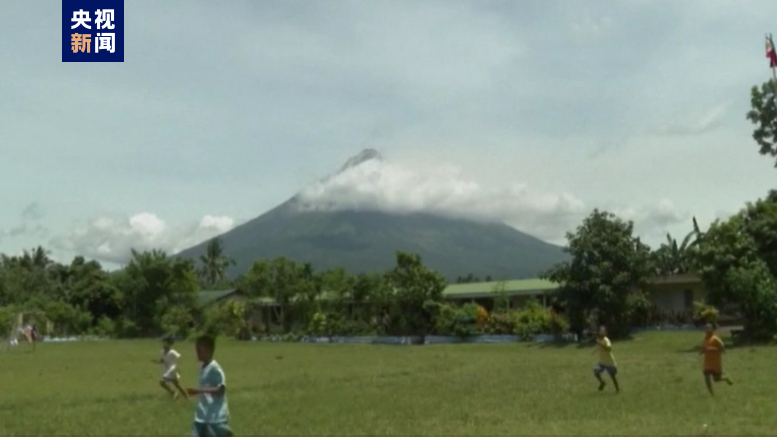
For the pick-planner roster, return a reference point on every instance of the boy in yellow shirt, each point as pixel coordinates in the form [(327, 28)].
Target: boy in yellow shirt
[(606, 360)]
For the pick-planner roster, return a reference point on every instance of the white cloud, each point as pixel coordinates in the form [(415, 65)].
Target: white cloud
[(111, 238), (653, 220), (441, 189)]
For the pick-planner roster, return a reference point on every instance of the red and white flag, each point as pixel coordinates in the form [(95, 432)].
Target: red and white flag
[(770, 52)]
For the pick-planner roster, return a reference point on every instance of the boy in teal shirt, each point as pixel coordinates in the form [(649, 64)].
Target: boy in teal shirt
[(212, 415)]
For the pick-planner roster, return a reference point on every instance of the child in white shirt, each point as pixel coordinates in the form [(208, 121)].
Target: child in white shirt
[(170, 376)]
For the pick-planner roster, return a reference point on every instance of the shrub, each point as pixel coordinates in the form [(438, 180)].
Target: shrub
[(7, 318), (354, 327), (320, 324), (481, 315), (127, 328), (640, 310), (704, 313), (455, 320), (557, 324), (177, 321), (228, 318), (67, 319), (501, 323), (105, 327), (534, 319)]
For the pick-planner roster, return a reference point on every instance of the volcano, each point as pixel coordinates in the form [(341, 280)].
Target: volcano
[(363, 241)]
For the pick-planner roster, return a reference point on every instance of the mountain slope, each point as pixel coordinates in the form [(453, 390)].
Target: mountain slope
[(366, 241)]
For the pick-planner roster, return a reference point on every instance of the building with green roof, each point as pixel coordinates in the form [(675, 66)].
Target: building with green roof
[(673, 292)]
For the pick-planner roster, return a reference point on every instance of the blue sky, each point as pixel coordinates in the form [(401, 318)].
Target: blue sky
[(528, 112)]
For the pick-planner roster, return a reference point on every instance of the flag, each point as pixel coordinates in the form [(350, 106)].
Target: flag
[(770, 53)]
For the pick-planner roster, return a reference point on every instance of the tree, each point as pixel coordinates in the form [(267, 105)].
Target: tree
[(737, 261), (177, 321), (763, 114), (672, 258), (337, 284), (215, 263), (470, 278), (415, 287), (153, 283), (501, 298), (755, 288), (90, 287), (607, 264), (282, 280)]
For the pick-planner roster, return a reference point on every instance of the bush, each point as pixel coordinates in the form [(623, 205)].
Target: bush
[(227, 318), (705, 313), (127, 328), (534, 319), (105, 327), (460, 321), (177, 321), (320, 324), (7, 318), (353, 327), (501, 323), (557, 324), (67, 319), (640, 310), (481, 315)]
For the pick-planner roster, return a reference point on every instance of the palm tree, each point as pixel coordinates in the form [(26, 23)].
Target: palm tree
[(214, 262), (674, 258), (37, 258)]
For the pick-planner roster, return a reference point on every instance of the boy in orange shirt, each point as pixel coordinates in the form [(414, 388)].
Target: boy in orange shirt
[(712, 349)]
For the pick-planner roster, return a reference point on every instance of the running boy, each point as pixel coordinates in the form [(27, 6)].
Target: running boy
[(712, 349), (606, 360), (211, 419), (170, 376)]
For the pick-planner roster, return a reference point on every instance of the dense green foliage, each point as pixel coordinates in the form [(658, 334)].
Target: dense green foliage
[(763, 114), (737, 259), (608, 264), (157, 294)]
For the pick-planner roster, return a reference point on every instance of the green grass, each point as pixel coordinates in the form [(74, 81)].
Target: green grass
[(110, 388)]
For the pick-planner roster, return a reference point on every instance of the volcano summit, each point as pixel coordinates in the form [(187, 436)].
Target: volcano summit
[(364, 237)]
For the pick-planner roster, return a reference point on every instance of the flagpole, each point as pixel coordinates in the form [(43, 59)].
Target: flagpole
[(774, 71)]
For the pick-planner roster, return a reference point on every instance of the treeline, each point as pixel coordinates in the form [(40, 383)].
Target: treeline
[(157, 294)]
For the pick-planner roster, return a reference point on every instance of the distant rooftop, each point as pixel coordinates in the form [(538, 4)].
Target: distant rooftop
[(473, 290), (516, 287), (207, 297)]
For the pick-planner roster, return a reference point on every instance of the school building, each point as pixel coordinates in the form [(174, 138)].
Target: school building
[(670, 293)]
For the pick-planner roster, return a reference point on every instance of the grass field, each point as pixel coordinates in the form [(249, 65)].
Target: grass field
[(109, 388)]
